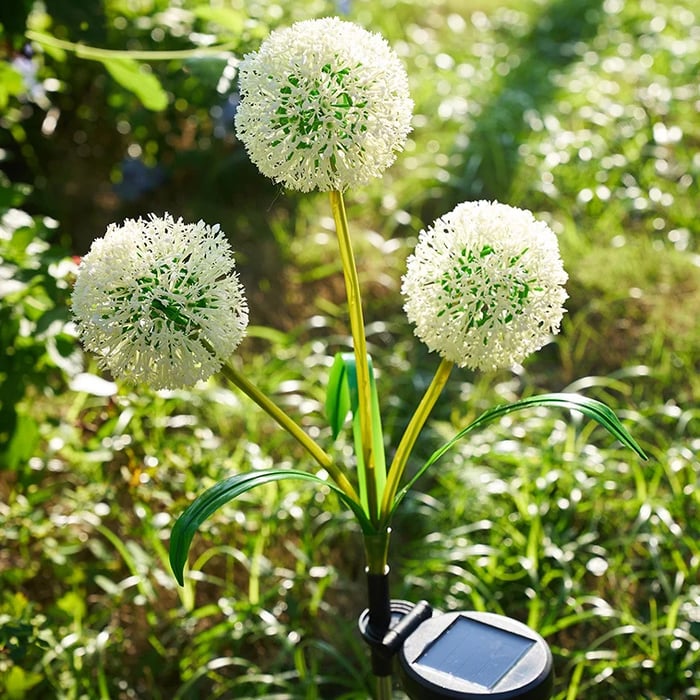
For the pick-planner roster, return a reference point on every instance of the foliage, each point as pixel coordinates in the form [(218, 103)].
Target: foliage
[(595, 550), (38, 348)]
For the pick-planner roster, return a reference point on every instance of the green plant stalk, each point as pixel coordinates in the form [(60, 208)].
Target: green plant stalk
[(276, 413), (93, 53), (410, 435), (384, 688), (357, 329), (377, 552)]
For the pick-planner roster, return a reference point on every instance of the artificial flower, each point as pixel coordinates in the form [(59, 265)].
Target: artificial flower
[(159, 301), (324, 105), (484, 286)]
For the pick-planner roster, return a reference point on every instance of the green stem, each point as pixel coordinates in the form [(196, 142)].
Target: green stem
[(357, 329), (377, 551), (275, 412), (408, 440), (96, 54), (384, 688)]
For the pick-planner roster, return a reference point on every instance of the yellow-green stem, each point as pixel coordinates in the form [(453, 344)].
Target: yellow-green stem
[(93, 53), (377, 551), (357, 329), (408, 440), (384, 688), (275, 412)]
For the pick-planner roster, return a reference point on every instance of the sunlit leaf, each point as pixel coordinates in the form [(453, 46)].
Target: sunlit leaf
[(24, 441), (596, 410), (337, 396), (11, 83), (132, 76), (226, 17), (342, 397), (229, 489)]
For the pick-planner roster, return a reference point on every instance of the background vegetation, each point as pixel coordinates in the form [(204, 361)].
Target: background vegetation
[(585, 112)]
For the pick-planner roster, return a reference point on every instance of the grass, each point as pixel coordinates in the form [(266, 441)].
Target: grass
[(535, 517)]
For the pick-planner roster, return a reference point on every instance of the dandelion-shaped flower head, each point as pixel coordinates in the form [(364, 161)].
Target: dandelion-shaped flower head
[(484, 286), (324, 105), (159, 301)]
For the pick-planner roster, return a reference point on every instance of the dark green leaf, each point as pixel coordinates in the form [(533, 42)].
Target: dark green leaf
[(229, 489), (596, 410)]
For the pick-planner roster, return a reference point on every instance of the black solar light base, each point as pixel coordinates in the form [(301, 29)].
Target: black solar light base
[(474, 655)]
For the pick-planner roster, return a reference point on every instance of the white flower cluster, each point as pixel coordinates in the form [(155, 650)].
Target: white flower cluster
[(324, 105), (484, 286), (154, 297)]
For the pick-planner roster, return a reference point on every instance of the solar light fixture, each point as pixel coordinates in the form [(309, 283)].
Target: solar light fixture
[(470, 655), (460, 655)]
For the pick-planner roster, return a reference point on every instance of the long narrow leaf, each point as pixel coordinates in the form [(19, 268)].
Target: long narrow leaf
[(227, 490), (596, 410), (342, 397)]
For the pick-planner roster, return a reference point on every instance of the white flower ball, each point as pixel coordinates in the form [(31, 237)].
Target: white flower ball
[(484, 286), (324, 105), (155, 297)]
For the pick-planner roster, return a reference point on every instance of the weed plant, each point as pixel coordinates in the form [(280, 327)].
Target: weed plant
[(585, 112)]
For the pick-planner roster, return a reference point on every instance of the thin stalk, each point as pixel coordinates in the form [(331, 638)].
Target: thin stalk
[(96, 54), (384, 688), (408, 440), (275, 412), (357, 329), (377, 552)]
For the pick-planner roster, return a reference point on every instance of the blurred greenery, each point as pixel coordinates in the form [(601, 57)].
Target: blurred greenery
[(585, 113)]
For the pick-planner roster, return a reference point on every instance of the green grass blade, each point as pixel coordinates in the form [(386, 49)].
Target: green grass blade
[(591, 408), (227, 490)]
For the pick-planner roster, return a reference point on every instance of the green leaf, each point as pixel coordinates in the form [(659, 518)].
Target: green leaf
[(227, 490), (18, 682), (11, 83), (337, 396), (23, 443), (596, 410), (132, 76), (342, 397), (226, 17)]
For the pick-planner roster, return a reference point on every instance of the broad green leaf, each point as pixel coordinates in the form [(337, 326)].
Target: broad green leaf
[(132, 76), (596, 410), (227, 490)]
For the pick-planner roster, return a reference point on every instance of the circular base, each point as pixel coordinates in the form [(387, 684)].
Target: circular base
[(473, 655)]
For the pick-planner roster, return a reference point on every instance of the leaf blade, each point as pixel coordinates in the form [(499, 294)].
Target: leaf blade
[(132, 77), (227, 490), (592, 408), (342, 397), (337, 396)]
